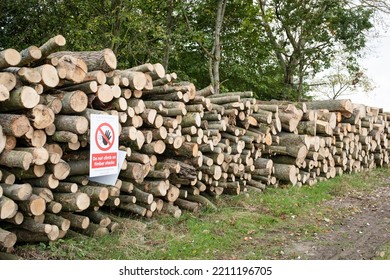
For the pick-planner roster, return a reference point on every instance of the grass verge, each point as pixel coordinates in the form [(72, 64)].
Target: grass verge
[(247, 226)]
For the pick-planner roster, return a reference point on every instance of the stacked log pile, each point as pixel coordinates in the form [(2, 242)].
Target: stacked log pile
[(183, 146), (330, 138)]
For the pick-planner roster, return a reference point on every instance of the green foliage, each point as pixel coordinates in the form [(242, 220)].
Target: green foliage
[(274, 53), (23, 22), (305, 35)]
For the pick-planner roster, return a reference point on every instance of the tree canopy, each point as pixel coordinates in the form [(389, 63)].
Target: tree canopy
[(273, 47)]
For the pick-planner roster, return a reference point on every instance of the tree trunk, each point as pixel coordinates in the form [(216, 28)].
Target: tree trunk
[(217, 44)]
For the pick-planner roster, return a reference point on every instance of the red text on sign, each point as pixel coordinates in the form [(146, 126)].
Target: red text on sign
[(104, 160)]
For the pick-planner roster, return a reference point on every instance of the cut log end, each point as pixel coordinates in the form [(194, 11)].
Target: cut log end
[(110, 59), (38, 206), (9, 57)]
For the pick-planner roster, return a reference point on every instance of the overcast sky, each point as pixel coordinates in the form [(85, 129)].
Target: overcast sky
[(377, 63)]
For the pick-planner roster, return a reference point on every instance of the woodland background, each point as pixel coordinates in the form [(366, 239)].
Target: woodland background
[(275, 48)]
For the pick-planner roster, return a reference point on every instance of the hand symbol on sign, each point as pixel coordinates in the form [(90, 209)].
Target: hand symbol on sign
[(107, 133)]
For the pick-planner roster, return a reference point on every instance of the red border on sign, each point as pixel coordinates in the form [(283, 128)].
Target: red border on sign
[(99, 129)]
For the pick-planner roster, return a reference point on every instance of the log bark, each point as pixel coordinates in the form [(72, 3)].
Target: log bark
[(60, 170), (65, 137), (286, 172), (7, 239), (299, 152), (67, 187), (155, 147), (202, 200), (40, 156), (18, 192), (94, 230), (75, 124), (20, 159), (47, 180), (8, 208), (51, 102), (76, 220), (24, 235), (72, 101), (44, 192), (340, 105), (21, 98), (26, 75), (35, 205), (104, 60), (307, 127), (73, 202), (29, 55), (187, 205), (95, 193), (172, 209), (97, 217), (142, 196), (90, 87), (52, 45), (135, 171), (61, 222)]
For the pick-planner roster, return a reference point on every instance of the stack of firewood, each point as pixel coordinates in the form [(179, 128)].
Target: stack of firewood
[(329, 138), (183, 146), (47, 101)]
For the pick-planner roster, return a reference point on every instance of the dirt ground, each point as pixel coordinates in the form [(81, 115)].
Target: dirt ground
[(359, 235)]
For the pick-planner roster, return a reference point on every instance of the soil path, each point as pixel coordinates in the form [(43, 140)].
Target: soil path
[(360, 235)]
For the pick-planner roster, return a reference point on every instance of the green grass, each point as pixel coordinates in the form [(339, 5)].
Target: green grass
[(384, 253), (247, 226)]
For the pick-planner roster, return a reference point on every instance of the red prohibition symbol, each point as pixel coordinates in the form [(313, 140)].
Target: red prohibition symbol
[(104, 137)]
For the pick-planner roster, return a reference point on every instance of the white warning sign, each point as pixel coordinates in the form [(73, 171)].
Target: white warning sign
[(104, 138)]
